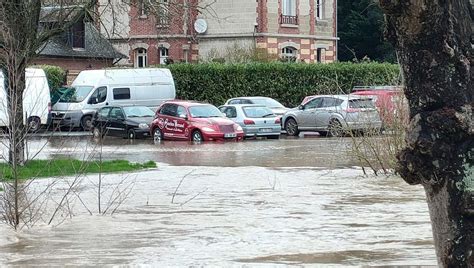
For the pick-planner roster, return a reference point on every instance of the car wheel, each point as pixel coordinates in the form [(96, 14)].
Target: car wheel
[(86, 123), (291, 127), (197, 136), (157, 135), (323, 133), (273, 137), (335, 129), (34, 124), (131, 135)]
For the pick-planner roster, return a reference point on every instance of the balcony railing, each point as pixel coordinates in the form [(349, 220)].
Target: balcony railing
[(286, 19), (163, 21)]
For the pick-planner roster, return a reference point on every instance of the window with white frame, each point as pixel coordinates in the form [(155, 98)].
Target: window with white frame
[(319, 9), (164, 55), (141, 60), (289, 8), (289, 53)]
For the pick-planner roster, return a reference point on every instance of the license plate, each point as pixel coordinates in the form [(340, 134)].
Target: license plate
[(230, 135), (265, 130)]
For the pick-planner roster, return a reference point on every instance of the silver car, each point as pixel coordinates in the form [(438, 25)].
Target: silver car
[(256, 120), (332, 115), (276, 107)]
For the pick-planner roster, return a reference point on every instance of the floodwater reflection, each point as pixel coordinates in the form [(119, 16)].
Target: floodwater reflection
[(286, 152)]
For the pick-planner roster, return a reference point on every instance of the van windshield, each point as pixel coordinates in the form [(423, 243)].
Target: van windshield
[(76, 94)]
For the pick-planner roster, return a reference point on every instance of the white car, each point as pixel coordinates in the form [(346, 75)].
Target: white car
[(276, 107), (255, 120)]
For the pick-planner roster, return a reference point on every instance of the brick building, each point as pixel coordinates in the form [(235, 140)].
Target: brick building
[(301, 30)]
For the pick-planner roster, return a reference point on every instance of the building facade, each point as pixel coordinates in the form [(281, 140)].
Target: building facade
[(294, 30)]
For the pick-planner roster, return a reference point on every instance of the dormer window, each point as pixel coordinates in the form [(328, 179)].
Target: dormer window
[(163, 13), (76, 35), (142, 8)]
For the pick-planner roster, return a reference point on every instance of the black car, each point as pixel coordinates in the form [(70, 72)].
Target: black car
[(127, 121)]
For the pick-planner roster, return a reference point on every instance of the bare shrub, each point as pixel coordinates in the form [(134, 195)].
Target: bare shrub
[(377, 149)]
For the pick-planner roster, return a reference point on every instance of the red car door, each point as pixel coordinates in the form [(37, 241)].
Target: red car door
[(172, 121), (181, 123), (165, 119)]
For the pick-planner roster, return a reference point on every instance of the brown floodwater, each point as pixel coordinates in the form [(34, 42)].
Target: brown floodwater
[(287, 202), (310, 151)]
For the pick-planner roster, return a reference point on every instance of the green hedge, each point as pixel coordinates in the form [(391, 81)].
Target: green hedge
[(287, 82), (56, 76)]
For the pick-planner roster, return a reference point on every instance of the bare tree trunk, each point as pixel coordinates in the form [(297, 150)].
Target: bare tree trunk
[(433, 41), (16, 127), (16, 134)]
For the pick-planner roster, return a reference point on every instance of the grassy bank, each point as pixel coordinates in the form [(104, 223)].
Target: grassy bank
[(68, 167)]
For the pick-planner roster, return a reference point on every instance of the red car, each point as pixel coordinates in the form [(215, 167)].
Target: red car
[(187, 120), (390, 103)]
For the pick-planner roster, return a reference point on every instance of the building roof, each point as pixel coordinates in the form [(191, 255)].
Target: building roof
[(95, 46)]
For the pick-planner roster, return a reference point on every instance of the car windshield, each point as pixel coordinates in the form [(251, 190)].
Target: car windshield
[(204, 111), (361, 103), (76, 94), (268, 102), (257, 111), (138, 111)]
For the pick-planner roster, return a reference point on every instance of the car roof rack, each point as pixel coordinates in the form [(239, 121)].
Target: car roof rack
[(368, 88)]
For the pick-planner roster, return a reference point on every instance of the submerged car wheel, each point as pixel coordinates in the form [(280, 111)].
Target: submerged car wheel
[(97, 133), (335, 128), (273, 137), (291, 127), (131, 135), (197, 136), (157, 135), (86, 123), (34, 124)]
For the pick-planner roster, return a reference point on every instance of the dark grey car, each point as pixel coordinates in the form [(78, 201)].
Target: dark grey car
[(128, 122)]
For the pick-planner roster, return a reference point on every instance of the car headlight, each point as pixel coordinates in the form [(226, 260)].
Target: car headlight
[(237, 128), (143, 126), (207, 129)]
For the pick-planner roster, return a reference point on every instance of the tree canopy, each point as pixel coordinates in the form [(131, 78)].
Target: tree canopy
[(360, 28)]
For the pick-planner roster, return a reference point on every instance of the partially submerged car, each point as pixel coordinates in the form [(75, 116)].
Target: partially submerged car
[(276, 107), (122, 121), (389, 101), (197, 122), (255, 120), (333, 115)]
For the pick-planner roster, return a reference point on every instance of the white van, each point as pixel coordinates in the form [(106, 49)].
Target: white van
[(36, 100), (94, 89)]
